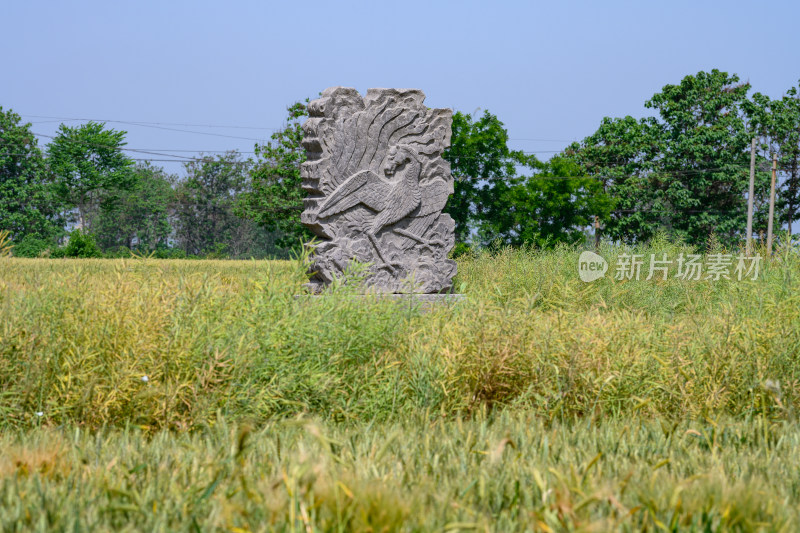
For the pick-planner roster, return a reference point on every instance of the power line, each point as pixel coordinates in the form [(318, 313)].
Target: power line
[(534, 176), (528, 152), (544, 140), (160, 151), (95, 145), (142, 123), (194, 132), (184, 159), (459, 178), (200, 151), (162, 125), (657, 211), (252, 152)]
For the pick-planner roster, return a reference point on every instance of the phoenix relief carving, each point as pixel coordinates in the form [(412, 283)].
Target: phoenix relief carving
[(377, 186)]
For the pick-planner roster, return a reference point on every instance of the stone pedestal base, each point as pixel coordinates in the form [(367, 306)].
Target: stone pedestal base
[(425, 301)]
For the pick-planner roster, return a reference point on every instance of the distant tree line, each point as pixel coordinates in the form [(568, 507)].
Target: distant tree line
[(686, 171), (683, 172), (83, 196)]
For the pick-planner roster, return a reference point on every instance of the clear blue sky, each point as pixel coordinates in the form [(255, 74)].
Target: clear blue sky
[(548, 70)]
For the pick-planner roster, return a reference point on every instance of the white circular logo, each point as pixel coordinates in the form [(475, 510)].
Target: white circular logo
[(591, 266)]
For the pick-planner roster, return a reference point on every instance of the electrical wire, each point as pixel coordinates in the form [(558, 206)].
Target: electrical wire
[(142, 123), (190, 125), (121, 149)]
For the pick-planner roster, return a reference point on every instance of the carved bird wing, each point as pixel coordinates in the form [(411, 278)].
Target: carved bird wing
[(434, 196), (364, 187)]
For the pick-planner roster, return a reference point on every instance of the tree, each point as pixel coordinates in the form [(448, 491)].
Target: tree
[(552, 206), (28, 205), (481, 164), (621, 156), (138, 217), (788, 139), (204, 209), (275, 199), (89, 166), (777, 123), (684, 171), (704, 157)]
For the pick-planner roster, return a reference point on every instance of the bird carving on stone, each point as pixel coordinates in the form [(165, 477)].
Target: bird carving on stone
[(392, 198), (377, 183)]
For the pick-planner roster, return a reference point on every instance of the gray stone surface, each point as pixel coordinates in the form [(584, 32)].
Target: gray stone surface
[(377, 184)]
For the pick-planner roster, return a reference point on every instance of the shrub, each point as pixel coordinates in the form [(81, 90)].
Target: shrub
[(82, 245), (31, 246), (219, 252), (460, 249)]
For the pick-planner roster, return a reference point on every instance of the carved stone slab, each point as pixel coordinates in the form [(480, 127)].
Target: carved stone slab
[(377, 184)]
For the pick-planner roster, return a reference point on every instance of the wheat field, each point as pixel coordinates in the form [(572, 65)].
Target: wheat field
[(162, 395)]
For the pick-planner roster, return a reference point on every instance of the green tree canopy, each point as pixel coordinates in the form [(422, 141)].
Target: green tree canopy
[(89, 165), (552, 206), (704, 155), (275, 199), (777, 123), (205, 220), (685, 171), (28, 205), (620, 155), (138, 217), (494, 202), (481, 164)]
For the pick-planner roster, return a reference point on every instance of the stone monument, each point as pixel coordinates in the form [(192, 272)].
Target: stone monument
[(377, 184)]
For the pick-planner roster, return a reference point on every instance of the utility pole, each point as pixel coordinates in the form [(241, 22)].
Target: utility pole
[(749, 234), (792, 191), (771, 203), (596, 232)]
